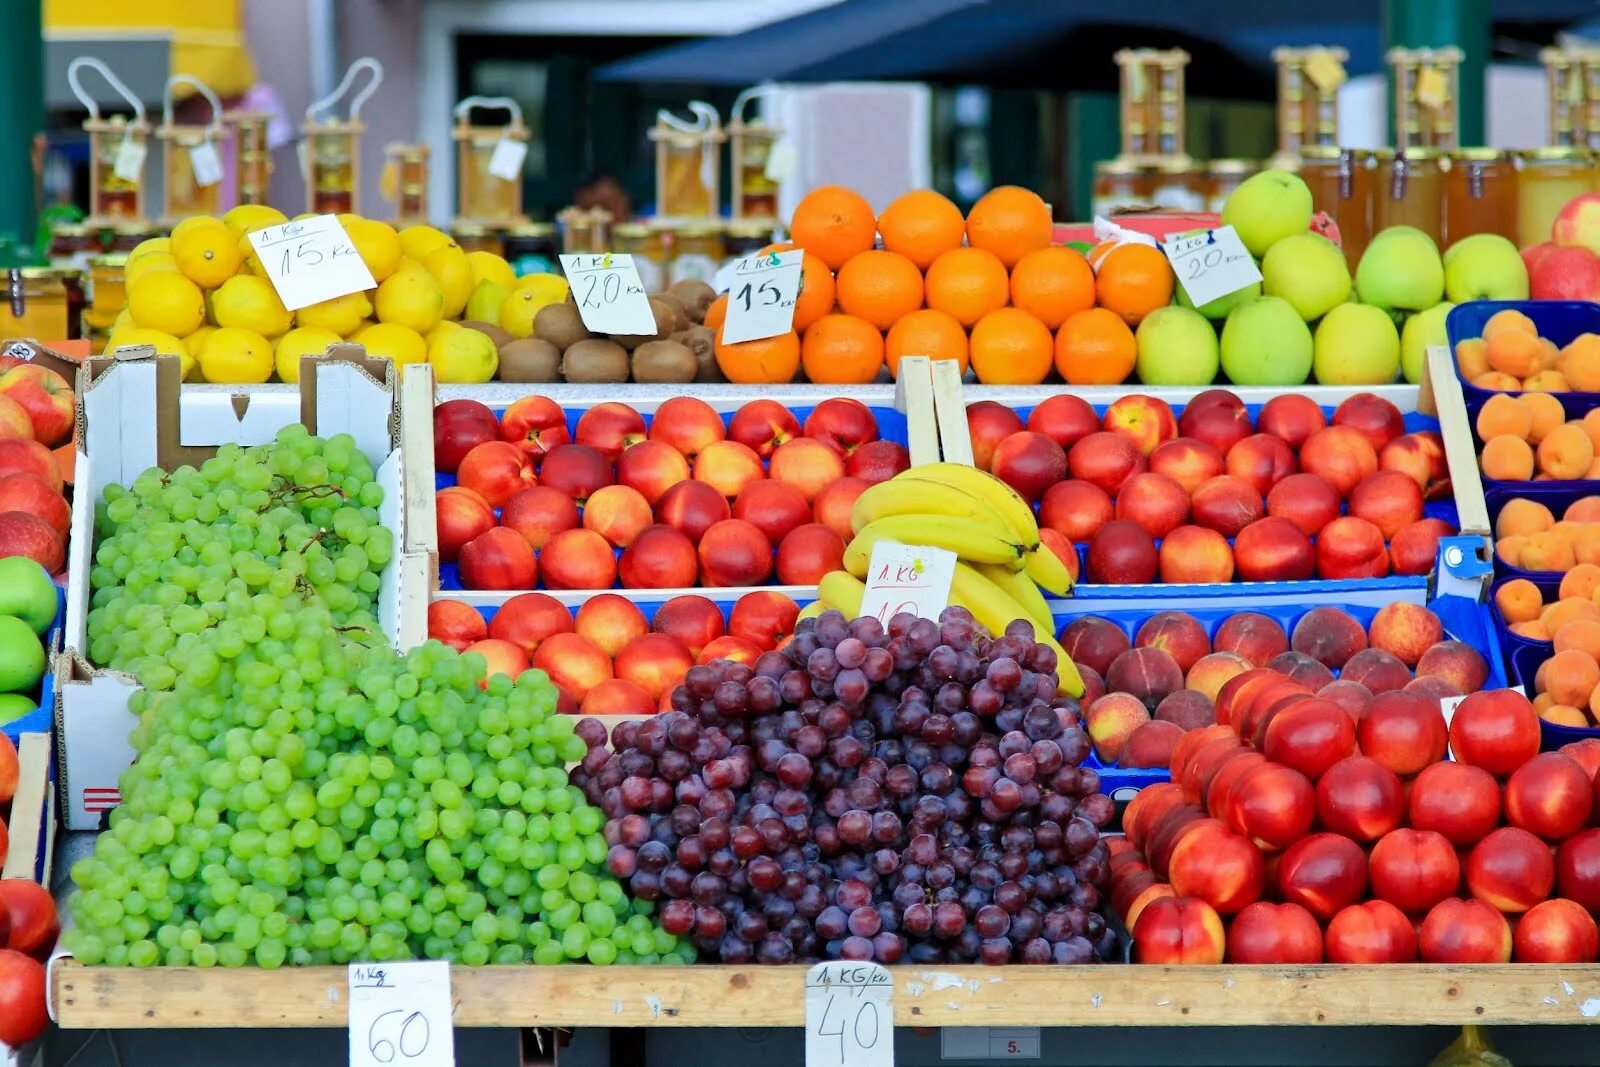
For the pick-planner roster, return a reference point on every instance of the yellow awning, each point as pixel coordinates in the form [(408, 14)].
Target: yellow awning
[(208, 40)]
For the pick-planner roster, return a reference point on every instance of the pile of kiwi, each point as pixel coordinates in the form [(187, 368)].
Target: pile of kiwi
[(562, 348)]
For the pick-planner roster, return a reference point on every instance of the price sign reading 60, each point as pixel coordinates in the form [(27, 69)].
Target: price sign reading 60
[(400, 1015)]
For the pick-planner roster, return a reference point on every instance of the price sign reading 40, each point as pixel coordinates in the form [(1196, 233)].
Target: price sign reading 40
[(610, 296), (311, 260), (400, 1015), (761, 296), (849, 1015)]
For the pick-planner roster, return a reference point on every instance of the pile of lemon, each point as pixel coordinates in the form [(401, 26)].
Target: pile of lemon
[(201, 294)]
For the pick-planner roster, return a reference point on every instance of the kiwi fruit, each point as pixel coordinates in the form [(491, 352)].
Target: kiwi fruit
[(530, 359), (696, 297), (702, 342), (666, 321), (595, 360), (682, 322), (561, 325), (664, 361), (489, 330)]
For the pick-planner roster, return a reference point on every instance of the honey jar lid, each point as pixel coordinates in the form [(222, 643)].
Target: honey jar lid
[(118, 259), (1420, 155), (700, 229), (630, 229), (1233, 166), (533, 229), (1119, 167), (1480, 155), (1555, 153), (468, 229)]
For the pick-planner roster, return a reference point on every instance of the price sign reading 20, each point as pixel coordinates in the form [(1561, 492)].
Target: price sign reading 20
[(611, 298)]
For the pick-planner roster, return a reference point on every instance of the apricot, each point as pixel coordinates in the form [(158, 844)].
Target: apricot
[(1585, 509), (1568, 531), (1504, 414), (1546, 381), (1515, 353), (1580, 634), (1509, 549), (1580, 581), (1594, 470), (1580, 362), (1547, 552), (1521, 517), (1546, 411), (1533, 630), (1593, 706), (1550, 355), (1542, 701), (1519, 601), (1498, 382), (1472, 359), (1566, 452), (1586, 543), (1564, 715), (1555, 616), (1509, 321), (1507, 459), (1591, 426), (1571, 677)]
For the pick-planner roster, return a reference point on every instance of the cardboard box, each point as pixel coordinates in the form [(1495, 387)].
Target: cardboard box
[(26, 351), (129, 420)]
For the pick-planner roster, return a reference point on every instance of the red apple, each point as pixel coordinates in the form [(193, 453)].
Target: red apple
[(1291, 417), (574, 663), (21, 491), (1420, 457), (1402, 731), (1578, 868), (1272, 804), (1340, 454), (1195, 555), (22, 998), (1220, 867), (763, 425), (1389, 500), (989, 423), (1217, 417), (45, 396), (19, 454), (22, 534), (535, 424), (1145, 420), (688, 424), (1415, 548), (498, 559), (842, 423), (538, 514), (456, 624), (877, 461), (1122, 553), (1030, 463), (1154, 501), (529, 619), (1063, 418), (617, 696), (34, 922), (14, 421), (728, 466), (655, 663), (609, 428)]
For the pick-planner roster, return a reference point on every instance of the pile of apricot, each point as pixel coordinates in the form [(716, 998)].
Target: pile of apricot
[(1512, 357), (1528, 536), (1529, 436), (1567, 685)]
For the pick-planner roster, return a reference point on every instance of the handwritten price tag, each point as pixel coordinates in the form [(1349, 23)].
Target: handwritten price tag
[(849, 1015), (761, 296), (128, 164), (506, 161), (914, 578), (204, 163), (400, 1014), (311, 260), (1211, 263), (610, 296)]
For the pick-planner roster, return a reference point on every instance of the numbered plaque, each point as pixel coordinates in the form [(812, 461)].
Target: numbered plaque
[(400, 1015), (1211, 263), (762, 291), (311, 260), (849, 1015), (914, 578), (989, 1043), (610, 296)]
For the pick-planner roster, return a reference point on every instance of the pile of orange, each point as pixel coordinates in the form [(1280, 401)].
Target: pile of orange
[(988, 291), (1512, 357)]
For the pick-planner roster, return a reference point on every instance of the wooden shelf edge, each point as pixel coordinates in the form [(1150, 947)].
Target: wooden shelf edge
[(723, 996)]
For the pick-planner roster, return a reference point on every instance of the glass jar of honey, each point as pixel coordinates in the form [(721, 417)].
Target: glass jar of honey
[(648, 247), (531, 249), (696, 254), (1480, 194), (475, 238), (1120, 185), (73, 246), (1178, 184), (1550, 177), (745, 238), (1341, 183), (1223, 176), (1410, 191), (127, 237), (107, 293), (34, 304)]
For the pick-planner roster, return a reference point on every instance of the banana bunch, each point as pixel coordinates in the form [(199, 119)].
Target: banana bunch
[(1001, 563)]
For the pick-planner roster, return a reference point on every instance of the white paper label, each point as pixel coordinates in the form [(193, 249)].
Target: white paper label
[(761, 295), (506, 162), (129, 162), (989, 1043), (610, 296), (849, 1015), (1211, 263), (311, 260), (914, 578), (204, 163), (400, 1014), (780, 161)]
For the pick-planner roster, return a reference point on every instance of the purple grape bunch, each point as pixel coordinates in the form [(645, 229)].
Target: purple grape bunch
[(914, 795)]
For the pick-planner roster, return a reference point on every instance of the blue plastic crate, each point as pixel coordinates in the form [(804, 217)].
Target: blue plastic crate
[(1510, 642), (1525, 663), (1557, 496), (42, 718), (1558, 320)]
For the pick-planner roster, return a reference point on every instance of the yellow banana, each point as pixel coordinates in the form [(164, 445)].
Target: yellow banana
[(970, 539), (842, 590), (813, 609), (980, 483), (909, 495), (1021, 588), (995, 609), (1047, 571)]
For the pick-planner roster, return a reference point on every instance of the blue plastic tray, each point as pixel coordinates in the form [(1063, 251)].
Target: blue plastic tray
[(1510, 642), (1557, 496), (42, 718), (1558, 320), (1525, 663)]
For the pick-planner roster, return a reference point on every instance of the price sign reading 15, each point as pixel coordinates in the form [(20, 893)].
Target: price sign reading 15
[(311, 260), (762, 295), (610, 296)]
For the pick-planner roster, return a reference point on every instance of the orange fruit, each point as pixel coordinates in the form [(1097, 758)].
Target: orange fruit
[(718, 311), (1010, 222), (1010, 347), (1095, 347), (841, 350), (765, 361), (1052, 284), (1133, 280), (816, 292), (833, 222), (928, 332), (967, 284), (920, 225), (879, 287)]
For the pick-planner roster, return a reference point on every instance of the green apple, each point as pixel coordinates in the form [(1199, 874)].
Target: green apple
[(1177, 346), (1266, 342), (1356, 344), (1217, 310), (1401, 271), (27, 592), (1422, 330), (1266, 208), (486, 300), (21, 655), (1484, 266), (14, 706), (1309, 271)]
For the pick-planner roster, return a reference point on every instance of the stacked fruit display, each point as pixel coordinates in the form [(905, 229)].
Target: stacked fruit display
[(910, 793), (1510, 356), (1567, 266), (28, 931), (1291, 496), (1311, 851), (606, 657), (28, 606), (1149, 700), (676, 499), (36, 461)]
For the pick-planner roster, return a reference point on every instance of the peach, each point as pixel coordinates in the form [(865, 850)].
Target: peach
[(732, 648), (1307, 500), (1407, 630), (1262, 460), (661, 557), (1404, 731), (807, 464), (1310, 735), (807, 553), (734, 552), (609, 428), (1291, 417), (574, 663), (1188, 709), (1459, 664), (654, 662), (1508, 459), (1211, 672), (1154, 501), (1413, 869), (1329, 635), (1217, 417), (1503, 414), (651, 468), (460, 515), (1143, 899), (1299, 667), (1255, 637), (1191, 743), (1094, 642), (1420, 457), (1219, 790), (1555, 931), (610, 621), (456, 624), (691, 507), (1360, 798), (499, 657), (1323, 873), (843, 424), (1226, 504), (617, 696), (495, 470), (497, 559), (687, 424), (1371, 932), (1464, 931), (1122, 553), (761, 426), (1340, 454), (1144, 420), (1274, 550), (1063, 418), (693, 620), (833, 505), (1146, 807), (1350, 547), (577, 470), (1274, 933), (1223, 868), (1150, 744), (765, 618), (1416, 547), (989, 423), (1187, 461), (538, 514), (1375, 418), (1179, 930), (1111, 720), (1030, 463), (1271, 804), (1076, 509), (1387, 499), (578, 559), (728, 466), (877, 461), (1105, 460), (617, 513), (1149, 674), (528, 619), (1195, 555), (1377, 670), (1551, 795), (1353, 697), (1497, 730), (1178, 634), (773, 507)]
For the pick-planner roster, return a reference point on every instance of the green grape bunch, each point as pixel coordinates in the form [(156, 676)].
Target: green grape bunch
[(303, 794)]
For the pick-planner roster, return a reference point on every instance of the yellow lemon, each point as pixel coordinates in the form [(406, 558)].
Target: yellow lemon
[(195, 341), (410, 297), (401, 344), (449, 267), (376, 243), (148, 245), (206, 251), (548, 287), (343, 314), (167, 301), (164, 343), (149, 263), (247, 217), (445, 326), (516, 314), (463, 356), (123, 321), (486, 301), (233, 356), (417, 241), (249, 303), (304, 341), (488, 267)]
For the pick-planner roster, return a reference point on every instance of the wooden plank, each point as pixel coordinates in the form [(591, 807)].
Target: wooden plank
[(720, 996), (913, 395), (32, 818), (419, 527), (1442, 396), (955, 440)]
